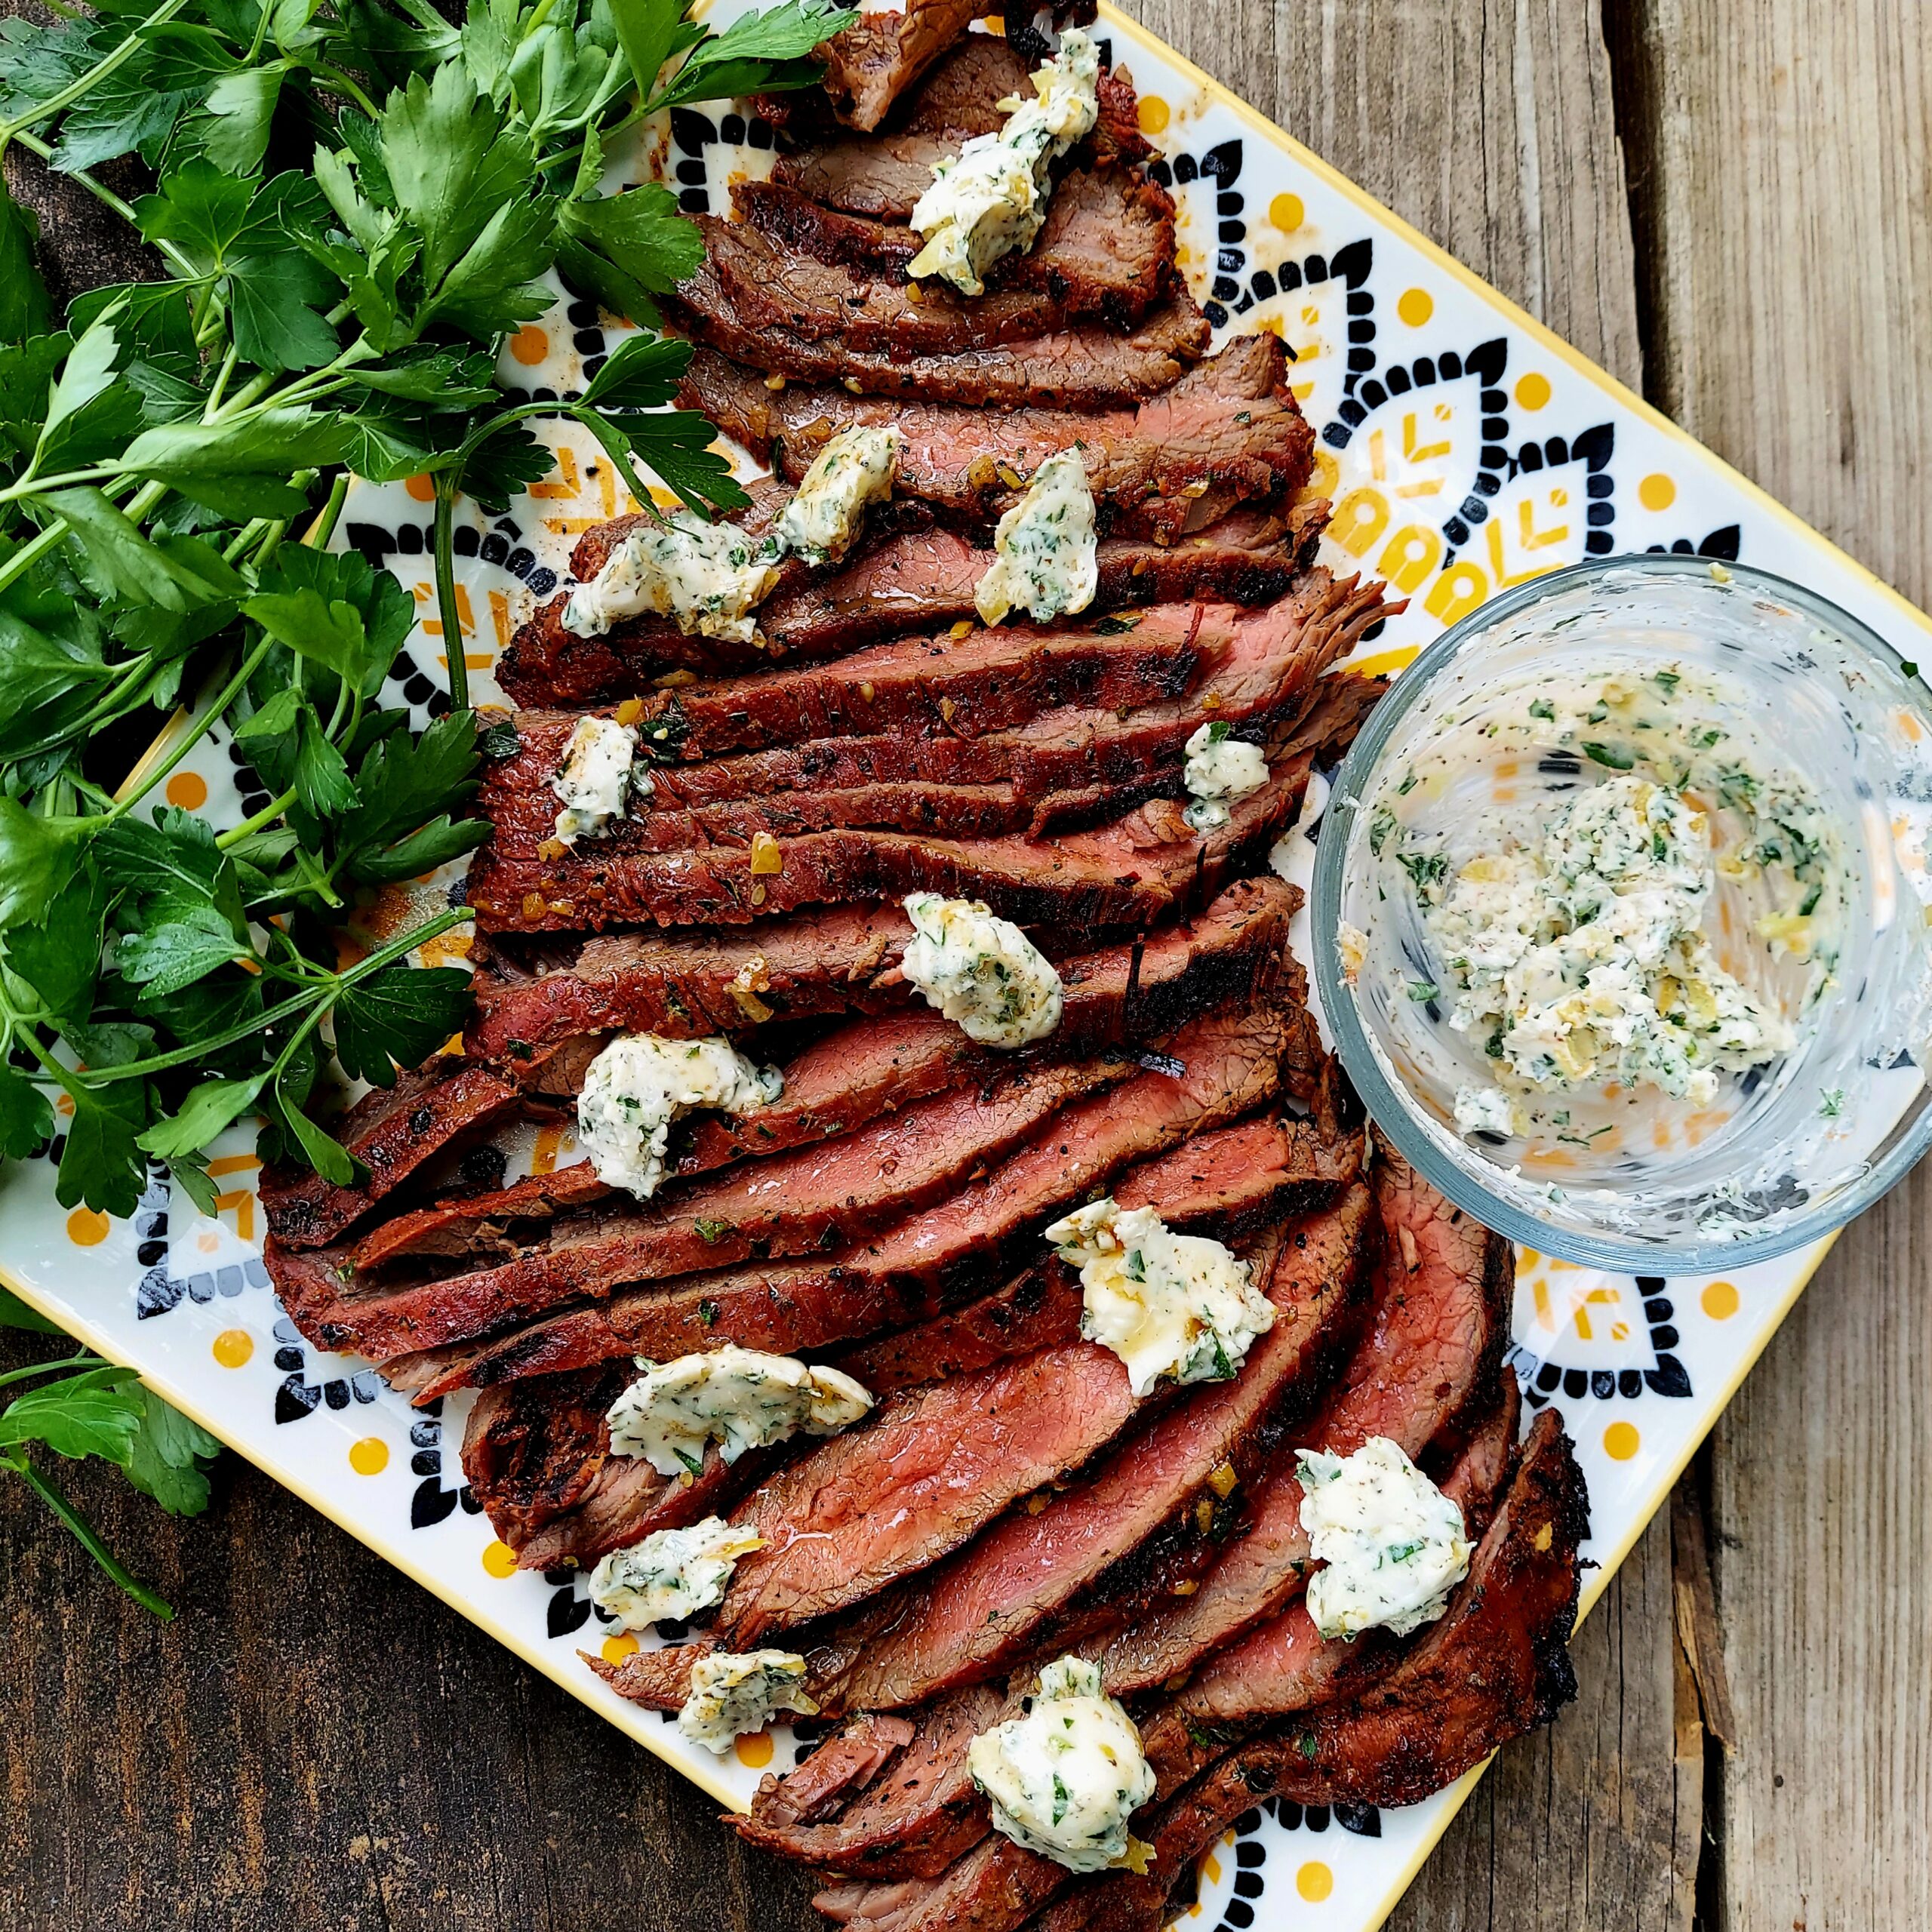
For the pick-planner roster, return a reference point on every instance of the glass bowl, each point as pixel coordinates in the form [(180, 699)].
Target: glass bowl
[(1790, 1149)]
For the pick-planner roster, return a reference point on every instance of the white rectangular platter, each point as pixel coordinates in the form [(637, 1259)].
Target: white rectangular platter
[(1466, 448)]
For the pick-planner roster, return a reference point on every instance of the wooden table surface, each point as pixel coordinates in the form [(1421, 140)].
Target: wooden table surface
[(1729, 206)]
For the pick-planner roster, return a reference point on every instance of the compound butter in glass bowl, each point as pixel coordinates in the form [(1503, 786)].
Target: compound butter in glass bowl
[(1620, 915)]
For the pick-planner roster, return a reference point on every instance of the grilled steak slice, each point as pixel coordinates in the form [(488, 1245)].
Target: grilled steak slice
[(869, 64), (847, 1762), (927, 1470), (1107, 250), (903, 585), (885, 176), (1285, 1664), (1431, 1357), (1493, 1668), (1039, 1309), (1227, 432), (1018, 1582), (1257, 669), (1231, 956), (1227, 1065), (1142, 869), (814, 1198), (1089, 366), (393, 1132)]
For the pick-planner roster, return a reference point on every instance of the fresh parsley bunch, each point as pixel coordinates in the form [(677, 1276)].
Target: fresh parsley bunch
[(353, 204)]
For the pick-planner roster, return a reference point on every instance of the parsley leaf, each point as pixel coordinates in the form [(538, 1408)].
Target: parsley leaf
[(399, 1017)]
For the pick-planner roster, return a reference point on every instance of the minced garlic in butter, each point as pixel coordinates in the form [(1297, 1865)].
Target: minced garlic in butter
[(671, 1573), (1046, 556), (733, 1694), (707, 578), (983, 973)]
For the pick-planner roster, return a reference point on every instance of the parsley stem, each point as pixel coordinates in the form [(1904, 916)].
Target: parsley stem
[(85, 1533), (267, 816), (205, 722), (447, 607), (56, 104), (34, 1368)]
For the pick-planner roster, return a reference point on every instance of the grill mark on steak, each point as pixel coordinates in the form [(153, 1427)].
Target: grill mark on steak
[(1229, 1066), (1493, 1668), (1022, 1578), (1087, 366), (1142, 870), (1107, 250), (1431, 1357), (1228, 431), (817, 1198), (393, 1132), (909, 585), (1257, 667), (1232, 956)]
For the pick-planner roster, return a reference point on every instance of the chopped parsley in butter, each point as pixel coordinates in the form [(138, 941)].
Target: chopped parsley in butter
[(1064, 1778), (856, 467), (1393, 1543), (739, 1397), (983, 973), (598, 777), (708, 578), (1219, 767), (671, 1573), (641, 1083), (733, 1692), (990, 200), (1045, 554), (1168, 1305)]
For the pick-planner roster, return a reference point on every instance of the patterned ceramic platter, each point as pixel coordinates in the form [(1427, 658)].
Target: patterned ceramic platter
[(1465, 449)]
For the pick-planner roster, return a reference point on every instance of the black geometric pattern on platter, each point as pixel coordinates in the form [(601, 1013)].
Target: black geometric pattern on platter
[(1543, 1381)]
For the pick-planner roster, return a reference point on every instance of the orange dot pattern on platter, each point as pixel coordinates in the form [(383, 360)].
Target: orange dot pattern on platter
[(1657, 491), (1621, 1441), (500, 1561), (529, 345), (422, 487), (753, 1751), (616, 1649), (369, 1457), (1415, 306), (1315, 1881), (1533, 391), (188, 789), (1153, 114), (86, 1228), (1286, 213), (1719, 1300), (233, 1347)]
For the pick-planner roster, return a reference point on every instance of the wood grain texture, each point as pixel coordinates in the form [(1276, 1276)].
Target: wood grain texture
[(1784, 205)]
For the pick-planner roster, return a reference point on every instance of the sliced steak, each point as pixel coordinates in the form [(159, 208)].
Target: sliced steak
[(1232, 955), (1038, 1309), (927, 1470), (1218, 1069), (907, 585), (393, 1133), (814, 1198), (869, 64), (1227, 432), (1107, 250), (849, 1761), (1089, 365), (1018, 1582), (1256, 668), (1495, 1666), (1143, 869), (1431, 1357)]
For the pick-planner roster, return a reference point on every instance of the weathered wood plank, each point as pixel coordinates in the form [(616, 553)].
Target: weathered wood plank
[(1785, 204)]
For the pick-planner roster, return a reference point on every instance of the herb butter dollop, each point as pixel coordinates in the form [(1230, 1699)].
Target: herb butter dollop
[(598, 776), (1219, 767), (740, 1398), (671, 1573), (1065, 1778), (981, 972), (991, 199), (732, 1693), (707, 578), (1046, 557), (1175, 1306), (1393, 1543), (857, 466)]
